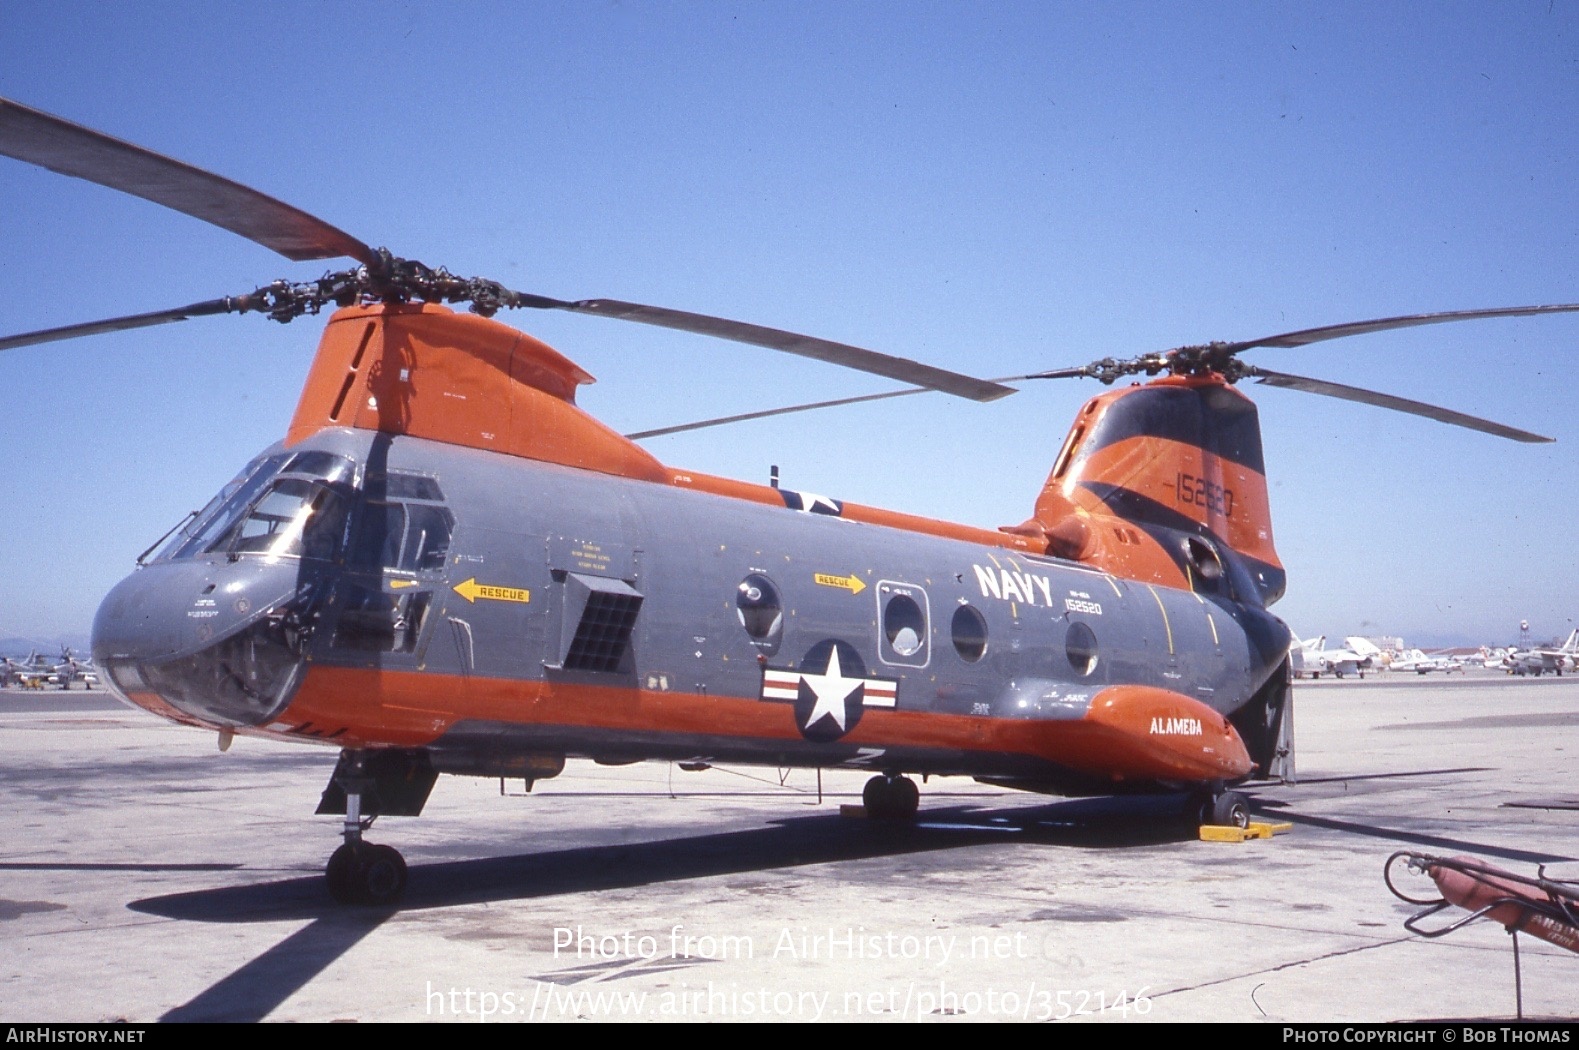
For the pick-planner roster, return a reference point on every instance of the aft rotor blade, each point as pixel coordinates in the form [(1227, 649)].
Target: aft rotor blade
[(1397, 404), (121, 324), (71, 149), (789, 409), (1306, 336), (902, 369)]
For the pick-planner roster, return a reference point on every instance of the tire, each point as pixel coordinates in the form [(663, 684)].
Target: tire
[(366, 874), (343, 873), (907, 797), (1230, 810), (878, 798)]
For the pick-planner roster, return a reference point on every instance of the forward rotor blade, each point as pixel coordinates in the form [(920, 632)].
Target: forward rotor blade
[(1307, 336), (902, 369), (1397, 404), (120, 324), (789, 409), (71, 149)]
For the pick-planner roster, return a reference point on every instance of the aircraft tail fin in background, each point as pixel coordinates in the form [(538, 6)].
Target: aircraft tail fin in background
[(1362, 646)]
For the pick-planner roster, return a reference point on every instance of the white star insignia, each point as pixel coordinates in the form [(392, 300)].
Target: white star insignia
[(831, 689)]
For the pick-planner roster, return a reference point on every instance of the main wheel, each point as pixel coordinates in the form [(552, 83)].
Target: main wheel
[(891, 798), (907, 798), (878, 797), (1228, 810)]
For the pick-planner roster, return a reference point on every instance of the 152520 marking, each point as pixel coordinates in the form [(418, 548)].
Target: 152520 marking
[(1200, 492)]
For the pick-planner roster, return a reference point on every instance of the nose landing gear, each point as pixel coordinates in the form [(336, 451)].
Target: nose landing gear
[(360, 872)]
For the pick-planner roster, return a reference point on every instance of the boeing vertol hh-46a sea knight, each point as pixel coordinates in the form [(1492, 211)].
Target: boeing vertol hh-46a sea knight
[(446, 566)]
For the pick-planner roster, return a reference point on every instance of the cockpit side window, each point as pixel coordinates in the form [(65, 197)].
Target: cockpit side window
[(412, 537)]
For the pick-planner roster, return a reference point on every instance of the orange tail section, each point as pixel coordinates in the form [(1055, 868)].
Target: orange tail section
[(1160, 482)]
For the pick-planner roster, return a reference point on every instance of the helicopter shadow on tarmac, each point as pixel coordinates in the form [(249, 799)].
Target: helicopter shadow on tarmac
[(260, 985), (822, 839)]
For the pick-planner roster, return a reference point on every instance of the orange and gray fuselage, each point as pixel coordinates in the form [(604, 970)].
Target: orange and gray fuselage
[(499, 592)]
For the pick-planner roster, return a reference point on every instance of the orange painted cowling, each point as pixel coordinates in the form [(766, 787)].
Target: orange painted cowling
[(1157, 734), (429, 372)]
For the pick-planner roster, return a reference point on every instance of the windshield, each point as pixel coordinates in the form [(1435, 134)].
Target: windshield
[(216, 525), (221, 511), (295, 517)]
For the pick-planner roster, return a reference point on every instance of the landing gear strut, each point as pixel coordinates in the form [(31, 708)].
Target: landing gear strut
[(891, 797), (360, 872)]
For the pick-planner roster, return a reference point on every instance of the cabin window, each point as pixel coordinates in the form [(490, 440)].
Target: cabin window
[(904, 624), (760, 611), (970, 633), (1080, 646)]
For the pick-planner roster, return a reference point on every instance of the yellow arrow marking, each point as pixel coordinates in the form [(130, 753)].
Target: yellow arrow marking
[(851, 583), (471, 590)]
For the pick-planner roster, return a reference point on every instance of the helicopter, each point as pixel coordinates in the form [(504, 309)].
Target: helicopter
[(447, 566)]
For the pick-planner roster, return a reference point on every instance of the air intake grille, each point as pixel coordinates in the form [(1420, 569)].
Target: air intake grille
[(604, 633), (604, 614)]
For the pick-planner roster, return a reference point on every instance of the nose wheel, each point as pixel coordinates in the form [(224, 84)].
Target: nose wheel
[(360, 872), (891, 797)]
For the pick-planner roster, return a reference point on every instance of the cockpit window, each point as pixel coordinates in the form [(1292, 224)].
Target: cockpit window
[(296, 517), (403, 486), (213, 528), (213, 520), (409, 537), (215, 525), (325, 465)]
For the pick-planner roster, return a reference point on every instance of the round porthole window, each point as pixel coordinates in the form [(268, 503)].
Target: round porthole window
[(970, 633), (760, 611), (1080, 645)]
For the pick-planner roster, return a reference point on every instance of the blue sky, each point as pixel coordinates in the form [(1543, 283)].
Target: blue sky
[(994, 187)]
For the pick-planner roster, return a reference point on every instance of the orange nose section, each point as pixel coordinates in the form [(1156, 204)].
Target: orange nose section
[(1168, 736)]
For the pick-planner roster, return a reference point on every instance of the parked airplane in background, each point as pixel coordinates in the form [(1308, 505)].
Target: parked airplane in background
[(1418, 662), (1539, 661), (37, 671), (1312, 658)]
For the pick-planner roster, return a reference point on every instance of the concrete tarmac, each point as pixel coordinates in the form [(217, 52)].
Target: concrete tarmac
[(146, 876)]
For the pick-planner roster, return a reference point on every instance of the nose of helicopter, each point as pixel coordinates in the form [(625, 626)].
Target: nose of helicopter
[(220, 642)]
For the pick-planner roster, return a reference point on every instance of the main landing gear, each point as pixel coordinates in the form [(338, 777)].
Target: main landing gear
[(1224, 809), (360, 872), (891, 797)]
